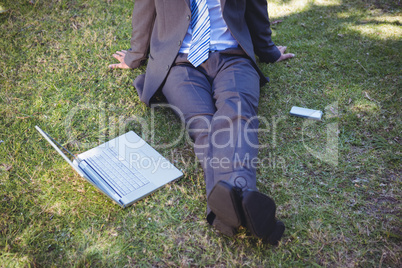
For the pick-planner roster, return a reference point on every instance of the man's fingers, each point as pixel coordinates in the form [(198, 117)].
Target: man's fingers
[(118, 66), (286, 56), (121, 53), (118, 57), (282, 49)]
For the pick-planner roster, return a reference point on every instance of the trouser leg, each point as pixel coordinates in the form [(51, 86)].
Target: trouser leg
[(234, 125), (218, 102), (189, 91)]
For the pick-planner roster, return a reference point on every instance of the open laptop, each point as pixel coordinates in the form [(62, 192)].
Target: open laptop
[(125, 168)]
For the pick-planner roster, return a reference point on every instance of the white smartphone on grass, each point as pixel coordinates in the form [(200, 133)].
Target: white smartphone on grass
[(306, 113)]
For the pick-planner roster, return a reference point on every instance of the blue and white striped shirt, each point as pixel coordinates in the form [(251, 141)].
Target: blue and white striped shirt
[(221, 38)]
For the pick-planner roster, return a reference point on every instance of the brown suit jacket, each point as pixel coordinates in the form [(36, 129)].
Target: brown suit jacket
[(159, 27)]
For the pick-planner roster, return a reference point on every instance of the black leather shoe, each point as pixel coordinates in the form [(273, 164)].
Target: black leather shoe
[(259, 214), (276, 235), (249, 208), (220, 226), (225, 202)]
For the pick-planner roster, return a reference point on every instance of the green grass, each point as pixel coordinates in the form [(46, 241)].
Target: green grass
[(339, 196)]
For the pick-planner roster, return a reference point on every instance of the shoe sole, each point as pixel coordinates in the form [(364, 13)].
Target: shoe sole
[(276, 235), (224, 202), (251, 209), (260, 224)]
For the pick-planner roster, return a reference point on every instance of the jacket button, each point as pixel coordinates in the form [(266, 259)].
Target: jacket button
[(179, 43), (167, 67), (188, 17)]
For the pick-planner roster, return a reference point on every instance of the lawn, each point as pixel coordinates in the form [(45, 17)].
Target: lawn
[(336, 182)]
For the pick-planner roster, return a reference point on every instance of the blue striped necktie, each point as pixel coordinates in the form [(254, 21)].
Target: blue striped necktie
[(200, 23)]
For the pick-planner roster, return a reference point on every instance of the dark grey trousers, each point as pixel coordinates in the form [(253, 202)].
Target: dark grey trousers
[(218, 102)]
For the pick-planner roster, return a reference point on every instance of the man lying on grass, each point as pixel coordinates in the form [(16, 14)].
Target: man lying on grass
[(201, 58)]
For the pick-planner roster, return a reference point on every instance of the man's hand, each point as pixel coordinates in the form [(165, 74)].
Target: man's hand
[(119, 55), (283, 55)]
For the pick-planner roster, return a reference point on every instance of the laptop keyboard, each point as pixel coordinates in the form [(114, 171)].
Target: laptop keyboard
[(117, 175)]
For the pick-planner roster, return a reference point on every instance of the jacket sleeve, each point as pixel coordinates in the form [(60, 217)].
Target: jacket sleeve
[(259, 27), (142, 23)]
